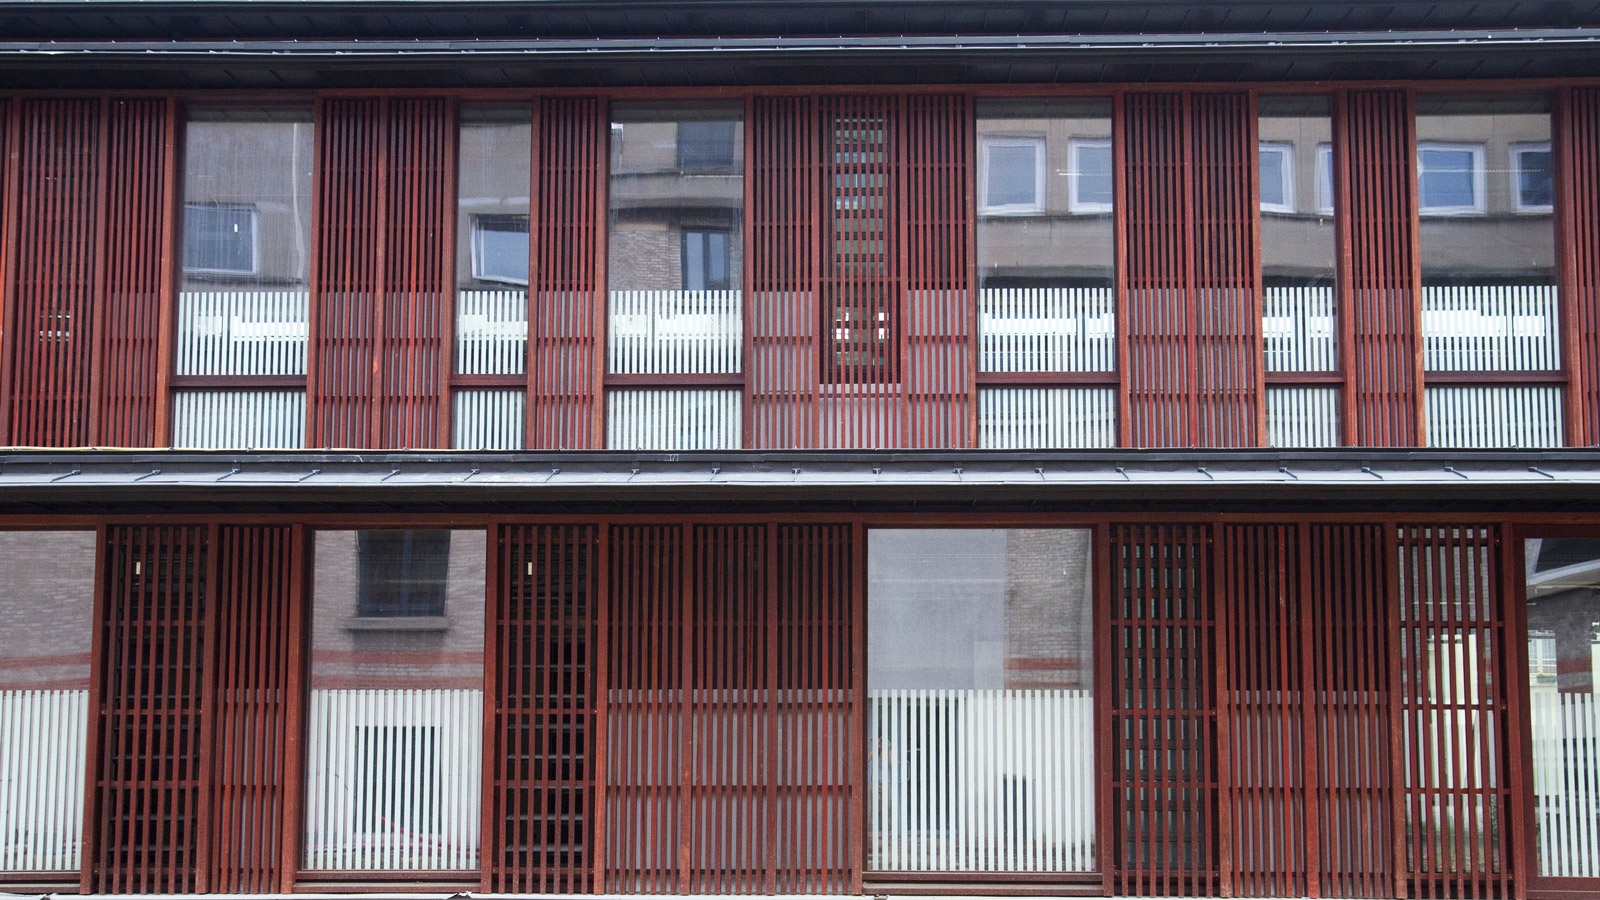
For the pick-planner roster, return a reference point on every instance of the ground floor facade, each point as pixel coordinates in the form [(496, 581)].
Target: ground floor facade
[(1348, 702)]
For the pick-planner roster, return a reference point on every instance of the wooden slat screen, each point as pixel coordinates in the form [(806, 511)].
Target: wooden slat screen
[(1451, 675), (259, 620), (1578, 205), (939, 310), (566, 339), (541, 751), (381, 292), (49, 369), (1351, 823), (1161, 705), (1376, 172), (731, 733), (140, 136), (1263, 698), (1191, 306), (783, 221), (146, 831)]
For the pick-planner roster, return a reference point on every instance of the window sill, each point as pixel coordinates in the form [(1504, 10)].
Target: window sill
[(397, 623)]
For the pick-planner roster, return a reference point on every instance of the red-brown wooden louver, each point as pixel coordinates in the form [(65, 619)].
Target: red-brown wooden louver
[(140, 142), (1351, 823), (566, 322), (260, 620), (1578, 167), (861, 315), (49, 365), (783, 361), (1263, 700), (730, 710), (1379, 297), (381, 300), (1450, 675), (541, 748), (1191, 307), (144, 826), (1160, 783)]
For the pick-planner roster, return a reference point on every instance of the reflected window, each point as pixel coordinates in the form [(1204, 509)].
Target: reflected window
[(1012, 175), (1277, 177), (980, 700), (46, 634), (1090, 185), (500, 248), (706, 260), (707, 145), (1534, 181), (1325, 179), (394, 745), (219, 239), (1450, 178)]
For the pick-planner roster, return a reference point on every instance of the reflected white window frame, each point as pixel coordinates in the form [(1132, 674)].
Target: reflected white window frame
[(1517, 151), (1285, 151), (1325, 179), (255, 237), (476, 243), (1075, 150), (1476, 152), (987, 143)]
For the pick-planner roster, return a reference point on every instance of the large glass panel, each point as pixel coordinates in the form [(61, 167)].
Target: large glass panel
[(394, 747), (1046, 256), (492, 238), (1489, 303), (46, 629), (1563, 576), (980, 718), (1300, 321)]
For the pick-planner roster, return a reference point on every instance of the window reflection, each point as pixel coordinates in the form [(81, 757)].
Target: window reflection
[(980, 708), (394, 744)]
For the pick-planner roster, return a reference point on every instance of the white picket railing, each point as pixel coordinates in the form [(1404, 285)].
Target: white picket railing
[(394, 779), (239, 419), (1299, 328), (981, 780), (43, 753), (1303, 416), (1047, 418), (673, 419), (491, 332), (489, 419), (1513, 415), (1566, 783), (1047, 330), (242, 332), (674, 332), (1490, 327)]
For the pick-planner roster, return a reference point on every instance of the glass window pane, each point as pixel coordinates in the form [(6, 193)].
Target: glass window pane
[(1448, 178), (1092, 176), (1276, 186), (46, 629), (979, 678), (1009, 177), (1563, 578), (394, 752), (1535, 178), (674, 247), (493, 188)]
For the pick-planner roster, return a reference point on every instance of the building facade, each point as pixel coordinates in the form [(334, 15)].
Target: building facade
[(1088, 448)]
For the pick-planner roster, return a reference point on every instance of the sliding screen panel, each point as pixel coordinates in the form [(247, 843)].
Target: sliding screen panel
[(540, 823), (1349, 685), (46, 629), (1163, 774), (394, 747), (1380, 314), (259, 622), (566, 274), (1456, 789), (980, 717), (147, 828), (783, 371), (1578, 159)]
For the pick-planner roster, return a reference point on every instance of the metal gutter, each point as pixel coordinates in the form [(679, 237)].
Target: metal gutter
[(487, 48)]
